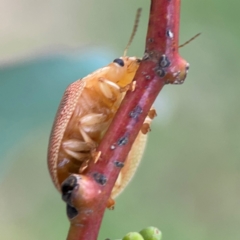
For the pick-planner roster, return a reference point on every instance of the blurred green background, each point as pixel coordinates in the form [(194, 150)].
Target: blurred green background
[(188, 183)]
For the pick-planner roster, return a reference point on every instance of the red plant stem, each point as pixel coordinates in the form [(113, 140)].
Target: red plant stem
[(161, 64)]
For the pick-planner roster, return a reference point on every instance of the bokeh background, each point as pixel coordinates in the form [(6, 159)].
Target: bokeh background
[(188, 183)]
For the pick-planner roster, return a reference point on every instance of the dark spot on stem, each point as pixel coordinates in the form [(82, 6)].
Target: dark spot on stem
[(67, 188), (145, 56), (136, 112), (169, 33), (164, 61), (118, 164), (161, 72), (122, 141), (71, 212), (100, 178)]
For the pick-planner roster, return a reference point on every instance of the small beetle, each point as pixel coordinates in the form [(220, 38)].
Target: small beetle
[(85, 112)]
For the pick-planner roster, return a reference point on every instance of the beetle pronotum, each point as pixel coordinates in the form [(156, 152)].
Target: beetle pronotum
[(85, 112)]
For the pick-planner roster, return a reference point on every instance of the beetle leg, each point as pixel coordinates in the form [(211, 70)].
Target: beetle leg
[(96, 156), (152, 113), (146, 125), (105, 85), (110, 204), (76, 145), (85, 136), (77, 149), (92, 119), (83, 166), (82, 150), (131, 86), (91, 122), (81, 156)]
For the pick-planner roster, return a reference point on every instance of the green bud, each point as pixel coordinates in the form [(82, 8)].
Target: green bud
[(133, 236), (151, 233)]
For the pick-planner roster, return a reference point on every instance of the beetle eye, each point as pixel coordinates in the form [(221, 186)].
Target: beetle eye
[(119, 61)]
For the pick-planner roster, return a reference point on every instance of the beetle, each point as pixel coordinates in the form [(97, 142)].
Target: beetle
[(85, 113)]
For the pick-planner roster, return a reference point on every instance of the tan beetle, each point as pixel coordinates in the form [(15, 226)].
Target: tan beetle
[(86, 111)]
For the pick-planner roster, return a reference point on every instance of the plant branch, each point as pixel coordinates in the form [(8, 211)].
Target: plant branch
[(161, 65)]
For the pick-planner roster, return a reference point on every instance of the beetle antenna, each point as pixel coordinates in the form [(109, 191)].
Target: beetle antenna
[(182, 45), (133, 31)]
